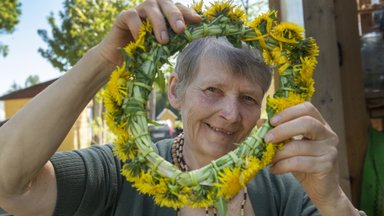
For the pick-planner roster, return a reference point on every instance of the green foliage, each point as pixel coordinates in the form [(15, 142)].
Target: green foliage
[(80, 25), (9, 18), (83, 24), (30, 81)]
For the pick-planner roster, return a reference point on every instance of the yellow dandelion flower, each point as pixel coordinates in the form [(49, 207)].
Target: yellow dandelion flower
[(253, 167), (279, 104), (313, 48), (218, 8), (237, 14), (288, 32), (263, 22), (309, 89), (203, 197), (267, 56), (115, 127), (168, 197), (283, 68), (278, 57), (116, 86), (146, 184), (147, 26), (230, 183), (124, 148), (262, 26), (129, 174), (307, 68), (198, 6), (131, 48), (269, 153), (109, 103), (201, 203), (305, 80)]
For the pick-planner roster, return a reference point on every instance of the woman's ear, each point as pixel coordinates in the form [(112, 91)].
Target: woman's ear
[(173, 98)]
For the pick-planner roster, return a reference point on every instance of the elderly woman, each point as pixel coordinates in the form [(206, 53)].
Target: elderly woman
[(217, 88)]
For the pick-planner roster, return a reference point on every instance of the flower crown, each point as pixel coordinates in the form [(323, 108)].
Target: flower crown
[(283, 47)]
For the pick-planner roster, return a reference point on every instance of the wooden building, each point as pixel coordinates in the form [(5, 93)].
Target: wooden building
[(78, 136)]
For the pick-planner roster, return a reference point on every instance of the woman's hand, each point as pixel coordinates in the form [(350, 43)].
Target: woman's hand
[(127, 25), (310, 153)]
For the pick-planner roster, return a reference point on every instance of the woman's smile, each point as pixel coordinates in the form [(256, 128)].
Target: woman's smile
[(220, 130)]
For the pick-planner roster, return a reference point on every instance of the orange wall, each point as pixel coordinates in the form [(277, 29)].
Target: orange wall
[(78, 135), (12, 106)]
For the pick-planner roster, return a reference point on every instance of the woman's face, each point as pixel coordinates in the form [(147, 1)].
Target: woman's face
[(219, 108)]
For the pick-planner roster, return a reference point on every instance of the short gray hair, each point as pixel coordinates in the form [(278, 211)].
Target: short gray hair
[(245, 61)]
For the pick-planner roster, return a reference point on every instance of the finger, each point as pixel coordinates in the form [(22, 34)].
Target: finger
[(151, 10), (129, 20), (190, 16), (304, 164), (303, 148), (173, 14), (307, 126), (303, 109)]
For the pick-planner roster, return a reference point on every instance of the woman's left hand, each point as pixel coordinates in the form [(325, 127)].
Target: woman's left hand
[(310, 152)]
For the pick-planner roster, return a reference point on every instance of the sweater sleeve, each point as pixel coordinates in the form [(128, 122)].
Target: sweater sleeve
[(87, 181)]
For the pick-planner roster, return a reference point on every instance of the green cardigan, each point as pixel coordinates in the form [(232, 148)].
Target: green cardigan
[(89, 183)]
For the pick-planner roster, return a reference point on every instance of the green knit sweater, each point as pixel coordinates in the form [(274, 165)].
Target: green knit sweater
[(89, 183)]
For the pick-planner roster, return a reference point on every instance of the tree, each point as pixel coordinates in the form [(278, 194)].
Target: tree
[(81, 25), (253, 8), (30, 81), (9, 18)]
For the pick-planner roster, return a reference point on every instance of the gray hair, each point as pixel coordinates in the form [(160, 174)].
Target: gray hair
[(245, 61)]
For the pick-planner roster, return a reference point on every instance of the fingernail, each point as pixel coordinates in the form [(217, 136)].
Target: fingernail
[(164, 36), (180, 25), (275, 119), (268, 138)]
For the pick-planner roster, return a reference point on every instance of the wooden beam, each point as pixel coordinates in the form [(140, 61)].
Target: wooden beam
[(319, 22), (355, 114), (334, 24), (274, 5)]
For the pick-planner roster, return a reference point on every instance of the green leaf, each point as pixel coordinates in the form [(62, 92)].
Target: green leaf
[(221, 206), (160, 81)]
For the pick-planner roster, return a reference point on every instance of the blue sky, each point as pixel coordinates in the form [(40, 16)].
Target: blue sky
[(23, 58)]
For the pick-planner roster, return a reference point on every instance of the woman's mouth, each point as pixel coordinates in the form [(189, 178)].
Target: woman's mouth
[(220, 130)]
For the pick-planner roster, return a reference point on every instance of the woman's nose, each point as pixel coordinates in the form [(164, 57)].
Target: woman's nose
[(230, 110)]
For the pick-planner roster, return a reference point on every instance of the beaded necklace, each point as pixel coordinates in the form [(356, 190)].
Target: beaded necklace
[(179, 162)]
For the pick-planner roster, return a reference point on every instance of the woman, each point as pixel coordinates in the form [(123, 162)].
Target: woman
[(220, 104)]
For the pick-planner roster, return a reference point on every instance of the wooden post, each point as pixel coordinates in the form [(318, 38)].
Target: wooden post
[(275, 5), (319, 21), (352, 82), (340, 91)]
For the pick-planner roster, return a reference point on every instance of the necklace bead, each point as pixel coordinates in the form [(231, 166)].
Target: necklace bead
[(179, 162)]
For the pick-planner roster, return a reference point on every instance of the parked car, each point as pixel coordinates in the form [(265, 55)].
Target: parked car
[(160, 132)]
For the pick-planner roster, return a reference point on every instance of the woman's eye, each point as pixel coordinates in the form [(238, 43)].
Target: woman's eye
[(212, 91), (250, 99)]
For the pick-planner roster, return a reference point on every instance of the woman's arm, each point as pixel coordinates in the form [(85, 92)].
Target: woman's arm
[(30, 138)]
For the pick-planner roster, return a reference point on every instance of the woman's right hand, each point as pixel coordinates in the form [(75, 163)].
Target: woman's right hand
[(127, 26)]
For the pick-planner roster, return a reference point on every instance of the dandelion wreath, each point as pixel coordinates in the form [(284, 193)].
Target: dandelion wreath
[(282, 45)]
